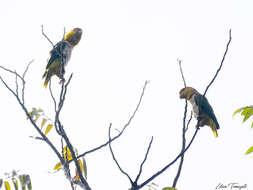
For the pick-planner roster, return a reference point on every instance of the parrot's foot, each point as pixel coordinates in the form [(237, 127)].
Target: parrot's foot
[(62, 81)]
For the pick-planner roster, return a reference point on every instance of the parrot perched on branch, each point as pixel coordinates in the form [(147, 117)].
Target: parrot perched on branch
[(60, 55), (201, 108)]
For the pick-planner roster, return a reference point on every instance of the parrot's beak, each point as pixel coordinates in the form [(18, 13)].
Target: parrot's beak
[(80, 32), (181, 96)]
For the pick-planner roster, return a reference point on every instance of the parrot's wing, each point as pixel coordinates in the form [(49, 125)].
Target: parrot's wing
[(205, 107), (57, 52)]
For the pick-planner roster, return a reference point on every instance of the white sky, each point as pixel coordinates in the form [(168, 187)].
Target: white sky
[(125, 43)]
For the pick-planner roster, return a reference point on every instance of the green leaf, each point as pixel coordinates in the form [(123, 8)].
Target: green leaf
[(28, 182), (249, 150), (25, 180), (21, 179), (1, 182), (248, 114), (7, 185), (245, 110), (238, 110), (85, 168), (15, 183)]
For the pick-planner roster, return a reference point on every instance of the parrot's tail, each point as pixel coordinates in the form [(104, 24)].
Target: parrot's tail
[(213, 127), (47, 78)]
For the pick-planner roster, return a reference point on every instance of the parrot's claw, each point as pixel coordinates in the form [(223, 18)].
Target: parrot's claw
[(62, 81)]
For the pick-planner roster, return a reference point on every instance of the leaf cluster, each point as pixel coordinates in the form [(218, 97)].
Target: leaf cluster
[(246, 112), (22, 181)]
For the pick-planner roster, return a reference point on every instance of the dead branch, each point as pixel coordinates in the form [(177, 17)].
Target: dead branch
[(115, 160), (144, 160), (123, 129)]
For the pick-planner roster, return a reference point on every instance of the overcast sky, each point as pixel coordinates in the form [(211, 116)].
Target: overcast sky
[(125, 43)]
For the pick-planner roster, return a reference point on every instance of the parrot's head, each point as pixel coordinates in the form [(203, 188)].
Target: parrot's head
[(74, 36), (187, 93)]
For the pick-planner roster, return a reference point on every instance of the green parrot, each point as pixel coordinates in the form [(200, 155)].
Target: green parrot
[(201, 108), (60, 55)]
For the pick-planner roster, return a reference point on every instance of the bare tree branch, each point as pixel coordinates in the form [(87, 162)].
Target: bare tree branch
[(52, 96), (125, 126), (42, 30), (168, 165), (23, 76), (223, 58), (16, 82), (115, 160), (183, 147), (188, 123), (181, 71), (43, 137), (183, 133), (27, 67), (144, 160), (33, 123), (60, 130), (13, 72), (62, 96)]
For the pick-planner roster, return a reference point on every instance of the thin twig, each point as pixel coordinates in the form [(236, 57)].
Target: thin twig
[(23, 76), (125, 126), (168, 165), (223, 58), (144, 160), (188, 123), (58, 125), (52, 96), (16, 82), (13, 72), (183, 147), (181, 71), (42, 30), (114, 158), (27, 67), (183, 133)]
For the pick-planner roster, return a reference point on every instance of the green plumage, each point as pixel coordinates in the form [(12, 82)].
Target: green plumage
[(60, 55), (201, 108), (205, 107)]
